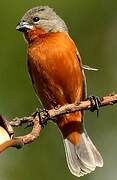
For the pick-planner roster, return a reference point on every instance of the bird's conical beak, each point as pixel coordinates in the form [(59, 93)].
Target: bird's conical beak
[(23, 26)]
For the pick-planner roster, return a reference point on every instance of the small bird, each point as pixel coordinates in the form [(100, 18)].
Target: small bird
[(57, 74)]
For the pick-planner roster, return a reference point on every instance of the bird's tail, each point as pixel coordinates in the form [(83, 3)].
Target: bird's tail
[(82, 158)]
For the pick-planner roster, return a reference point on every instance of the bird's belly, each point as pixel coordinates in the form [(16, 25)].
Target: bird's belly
[(55, 84), (50, 93), (46, 86)]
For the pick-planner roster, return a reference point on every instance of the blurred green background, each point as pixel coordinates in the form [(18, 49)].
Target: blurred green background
[(93, 26)]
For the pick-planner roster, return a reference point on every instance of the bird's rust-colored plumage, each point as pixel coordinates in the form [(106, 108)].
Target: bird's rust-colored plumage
[(57, 76)]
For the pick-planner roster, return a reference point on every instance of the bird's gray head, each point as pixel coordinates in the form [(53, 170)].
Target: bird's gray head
[(42, 17)]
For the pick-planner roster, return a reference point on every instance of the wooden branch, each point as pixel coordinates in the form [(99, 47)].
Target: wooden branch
[(37, 119)]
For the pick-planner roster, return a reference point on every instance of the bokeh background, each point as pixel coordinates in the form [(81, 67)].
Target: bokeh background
[(93, 26)]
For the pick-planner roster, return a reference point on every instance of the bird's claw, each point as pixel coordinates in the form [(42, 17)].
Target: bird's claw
[(43, 117), (95, 104)]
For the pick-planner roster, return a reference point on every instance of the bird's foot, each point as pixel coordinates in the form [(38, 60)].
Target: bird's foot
[(43, 116), (95, 104)]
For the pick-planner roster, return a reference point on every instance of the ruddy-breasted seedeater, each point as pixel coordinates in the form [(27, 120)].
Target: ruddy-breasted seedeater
[(58, 78)]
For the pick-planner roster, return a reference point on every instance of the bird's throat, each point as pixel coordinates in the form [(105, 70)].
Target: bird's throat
[(34, 34)]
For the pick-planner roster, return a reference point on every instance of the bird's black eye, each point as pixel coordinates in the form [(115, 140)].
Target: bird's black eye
[(36, 19)]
